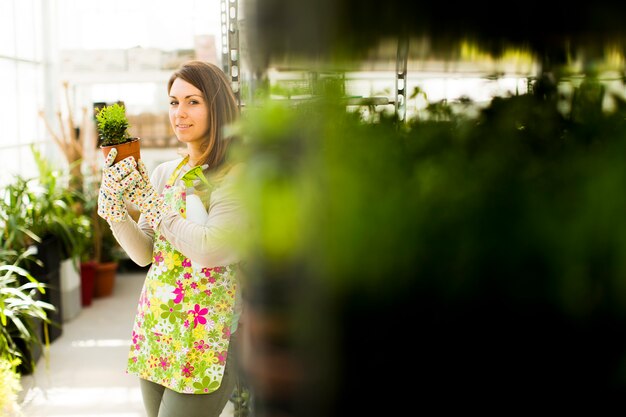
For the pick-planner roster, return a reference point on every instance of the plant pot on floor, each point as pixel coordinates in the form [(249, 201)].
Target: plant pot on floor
[(87, 281), (70, 289), (49, 274), (105, 279)]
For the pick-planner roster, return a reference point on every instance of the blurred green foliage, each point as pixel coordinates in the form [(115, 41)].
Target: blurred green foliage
[(522, 185), (497, 241), (473, 259)]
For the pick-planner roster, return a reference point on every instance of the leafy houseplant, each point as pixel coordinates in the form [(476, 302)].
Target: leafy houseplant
[(21, 310), (57, 209), (113, 132), (41, 212)]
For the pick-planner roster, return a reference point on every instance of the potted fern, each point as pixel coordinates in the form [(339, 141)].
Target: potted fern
[(113, 132)]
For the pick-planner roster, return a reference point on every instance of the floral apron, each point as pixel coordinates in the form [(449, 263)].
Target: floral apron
[(183, 325)]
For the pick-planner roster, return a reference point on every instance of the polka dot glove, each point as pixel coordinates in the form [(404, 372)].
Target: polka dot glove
[(115, 180), (145, 197)]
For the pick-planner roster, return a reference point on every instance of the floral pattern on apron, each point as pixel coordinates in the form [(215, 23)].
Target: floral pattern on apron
[(182, 328)]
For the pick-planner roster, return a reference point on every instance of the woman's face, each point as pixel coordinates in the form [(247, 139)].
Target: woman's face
[(188, 112)]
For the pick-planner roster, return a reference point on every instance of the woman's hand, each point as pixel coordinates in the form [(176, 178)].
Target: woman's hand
[(145, 197), (115, 180)]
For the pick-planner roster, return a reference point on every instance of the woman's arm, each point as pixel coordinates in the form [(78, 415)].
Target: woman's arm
[(135, 240), (210, 244)]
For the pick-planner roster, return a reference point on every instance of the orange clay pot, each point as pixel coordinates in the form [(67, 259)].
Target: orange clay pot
[(124, 150)]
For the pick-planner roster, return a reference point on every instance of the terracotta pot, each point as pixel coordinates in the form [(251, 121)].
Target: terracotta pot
[(124, 150), (105, 279)]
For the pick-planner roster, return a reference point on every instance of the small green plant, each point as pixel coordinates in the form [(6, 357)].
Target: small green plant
[(113, 125)]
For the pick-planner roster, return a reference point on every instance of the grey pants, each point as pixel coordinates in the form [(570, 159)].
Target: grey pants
[(163, 402)]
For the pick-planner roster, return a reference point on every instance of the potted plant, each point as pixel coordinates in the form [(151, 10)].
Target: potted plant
[(57, 217), (31, 217), (113, 132), (108, 263), (99, 262), (22, 311)]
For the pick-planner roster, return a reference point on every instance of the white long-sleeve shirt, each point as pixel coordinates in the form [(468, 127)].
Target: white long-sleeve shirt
[(209, 244)]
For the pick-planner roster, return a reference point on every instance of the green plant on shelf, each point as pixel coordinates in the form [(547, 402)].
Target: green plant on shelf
[(113, 125)]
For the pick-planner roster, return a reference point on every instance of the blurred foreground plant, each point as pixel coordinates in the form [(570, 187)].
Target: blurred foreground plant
[(497, 243), (9, 388)]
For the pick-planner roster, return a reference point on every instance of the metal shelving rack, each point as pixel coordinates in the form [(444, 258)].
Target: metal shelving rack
[(230, 45), (232, 65), (401, 71)]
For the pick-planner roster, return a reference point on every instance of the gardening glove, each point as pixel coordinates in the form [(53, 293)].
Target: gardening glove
[(115, 180), (145, 197)]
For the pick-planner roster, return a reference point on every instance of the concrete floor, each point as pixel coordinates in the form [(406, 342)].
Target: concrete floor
[(84, 372)]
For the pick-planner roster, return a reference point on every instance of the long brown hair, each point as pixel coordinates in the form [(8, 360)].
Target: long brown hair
[(221, 103)]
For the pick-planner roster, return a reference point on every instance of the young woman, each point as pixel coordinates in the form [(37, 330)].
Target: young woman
[(183, 334)]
